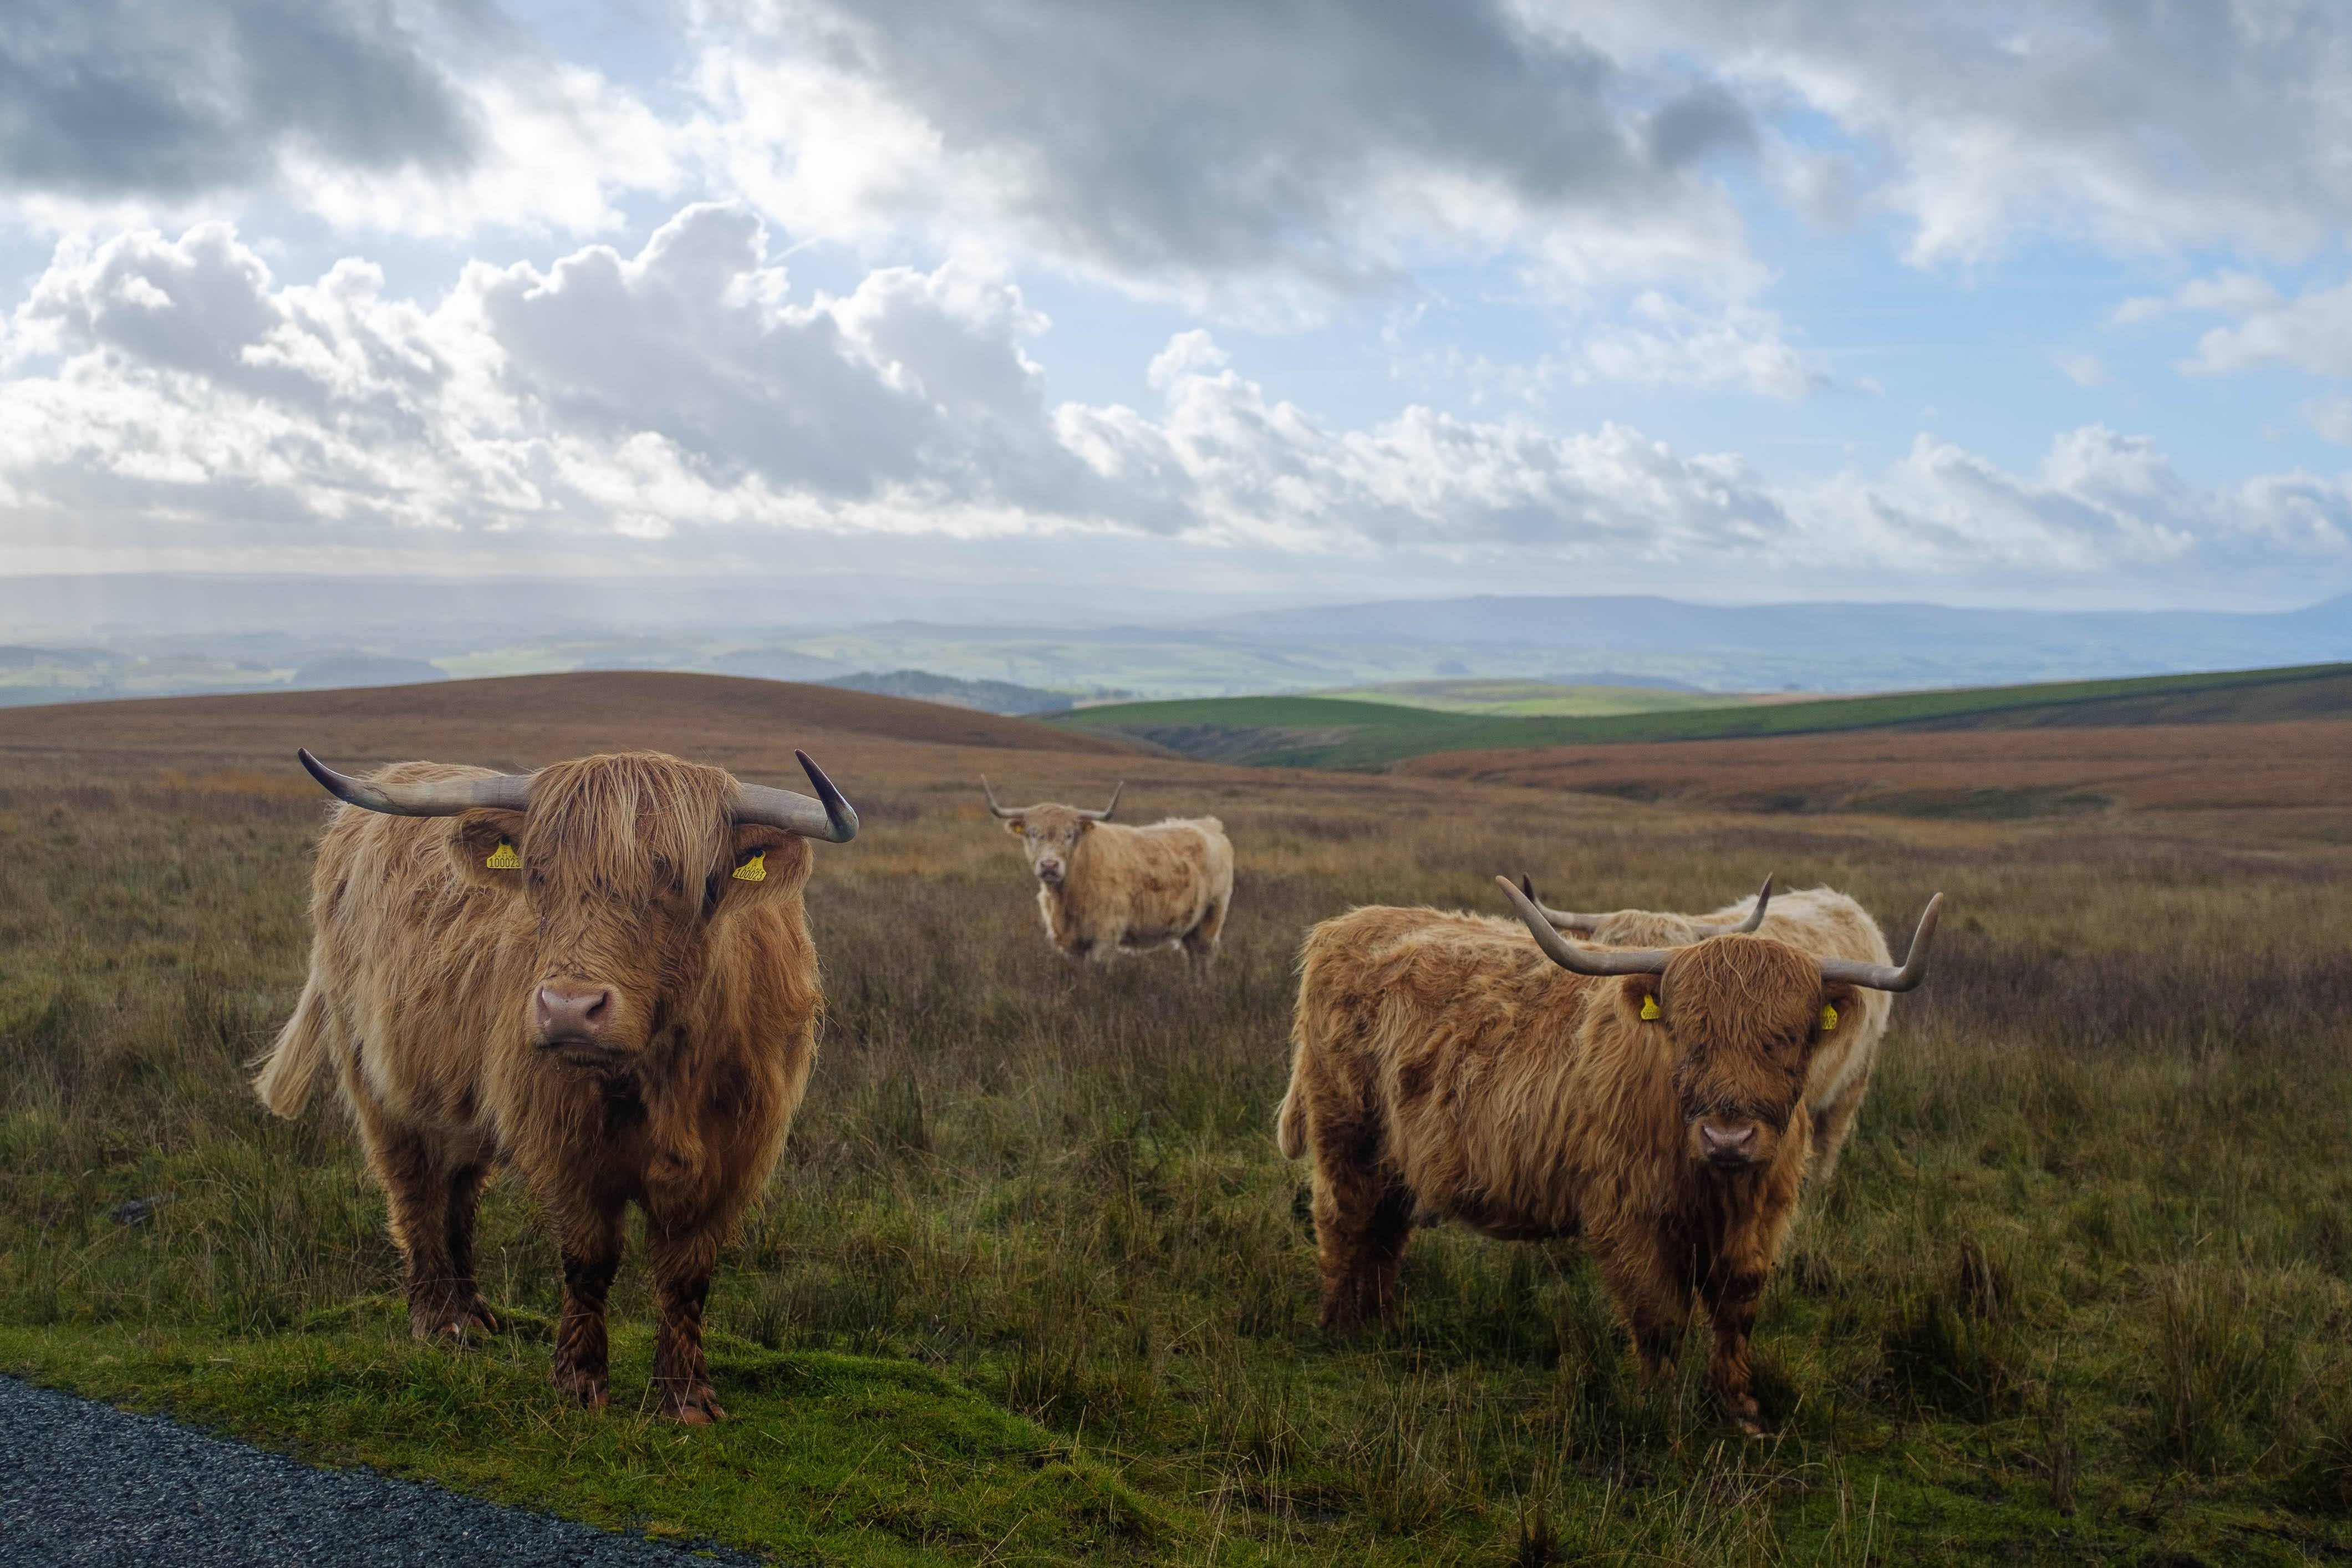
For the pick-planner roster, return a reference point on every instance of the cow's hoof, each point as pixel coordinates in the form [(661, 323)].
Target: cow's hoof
[(697, 1407), (448, 1326), (479, 1314), (590, 1390)]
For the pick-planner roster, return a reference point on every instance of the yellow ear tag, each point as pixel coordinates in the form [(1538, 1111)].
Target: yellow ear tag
[(755, 870), (504, 858), (1829, 1017), (1649, 1008)]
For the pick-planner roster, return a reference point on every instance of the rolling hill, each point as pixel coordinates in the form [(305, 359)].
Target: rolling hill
[(1311, 731)]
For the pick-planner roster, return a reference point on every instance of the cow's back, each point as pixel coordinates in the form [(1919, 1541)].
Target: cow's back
[(1156, 882)]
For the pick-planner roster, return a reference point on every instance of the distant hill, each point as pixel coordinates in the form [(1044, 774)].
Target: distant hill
[(161, 634), (521, 721), (1307, 731), (366, 669), (985, 696)]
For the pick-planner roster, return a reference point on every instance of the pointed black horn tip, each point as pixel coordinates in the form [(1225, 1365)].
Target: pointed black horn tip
[(837, 809), (328, 779)]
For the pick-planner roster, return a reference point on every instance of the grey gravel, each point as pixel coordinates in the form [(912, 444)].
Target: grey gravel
[(86, 1484)]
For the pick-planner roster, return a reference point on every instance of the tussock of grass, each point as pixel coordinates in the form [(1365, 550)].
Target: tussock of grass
[(1032, 1284)]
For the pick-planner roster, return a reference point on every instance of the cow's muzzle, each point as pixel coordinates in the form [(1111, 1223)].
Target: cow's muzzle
[(574, 1018), (1728, 1144), (1050, 872)]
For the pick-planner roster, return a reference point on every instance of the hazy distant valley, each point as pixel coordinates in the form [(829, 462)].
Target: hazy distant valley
[(78, 640)]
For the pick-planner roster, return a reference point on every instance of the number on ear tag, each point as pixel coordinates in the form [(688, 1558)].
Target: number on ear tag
[(1828, 1017), (755, 870), (504, 858), (1649, 1008)]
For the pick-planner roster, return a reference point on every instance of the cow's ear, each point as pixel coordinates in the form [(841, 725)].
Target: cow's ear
[(485, 846), (1014, 825), (1641, 997), (1841, 1012), (764, 863), (1086, 825)]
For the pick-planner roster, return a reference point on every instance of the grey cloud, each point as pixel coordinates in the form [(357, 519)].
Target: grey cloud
[(1704, 119), (103, 98), (1235, 135), (2145, 127)]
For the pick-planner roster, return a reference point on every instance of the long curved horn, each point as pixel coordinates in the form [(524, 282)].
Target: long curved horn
[(1744, 928), (1884, 977), (1582, 960), (438, 797), (1561, 919), (1103, 815), (1585, 925), (829, 816), (999, 810)]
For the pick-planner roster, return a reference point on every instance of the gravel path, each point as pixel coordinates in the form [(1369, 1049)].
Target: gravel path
[(86, 1484)]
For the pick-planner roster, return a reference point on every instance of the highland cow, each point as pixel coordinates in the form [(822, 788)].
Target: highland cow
[(601, 972), (1105, 889), (1818, 921), (1647, 1102)]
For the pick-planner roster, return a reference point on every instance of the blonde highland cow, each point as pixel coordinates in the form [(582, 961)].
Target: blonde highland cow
[(1105, 889)]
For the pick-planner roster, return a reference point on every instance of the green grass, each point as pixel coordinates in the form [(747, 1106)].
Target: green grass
[(1530, 699), (841, 1459), (1312, 731)]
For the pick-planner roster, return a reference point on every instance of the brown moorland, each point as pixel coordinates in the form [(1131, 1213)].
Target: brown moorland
[(2289, 772), (1032, 1282)]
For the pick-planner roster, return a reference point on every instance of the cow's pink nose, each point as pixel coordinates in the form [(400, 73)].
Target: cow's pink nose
[(566, 1015), (1728, 1141)]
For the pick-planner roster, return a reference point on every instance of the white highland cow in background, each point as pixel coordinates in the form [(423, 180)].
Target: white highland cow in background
[(1103, 887)]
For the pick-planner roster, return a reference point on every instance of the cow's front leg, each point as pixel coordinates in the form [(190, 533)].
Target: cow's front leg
[(1732, 1292), (1650, 1293), (465, 1198), (682, 1263), (591, 1256), (418, 1194)]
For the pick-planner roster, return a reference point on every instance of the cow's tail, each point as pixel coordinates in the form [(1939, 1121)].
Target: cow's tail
[(1290, 1122), (292, 1066)]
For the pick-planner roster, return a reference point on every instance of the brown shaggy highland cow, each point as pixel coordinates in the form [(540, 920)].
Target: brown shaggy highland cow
[(1644, 1100), (1105, 889), (1818, 921), (600, 971)]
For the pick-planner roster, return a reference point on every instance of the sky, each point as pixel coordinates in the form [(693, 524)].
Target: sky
[(1968, 301)]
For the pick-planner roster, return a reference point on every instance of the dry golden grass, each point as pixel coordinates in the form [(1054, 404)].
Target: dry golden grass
[(2082, 1290)]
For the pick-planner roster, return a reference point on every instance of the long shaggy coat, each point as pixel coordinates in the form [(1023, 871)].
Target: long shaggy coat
[(424, 963), (1444, 1067)]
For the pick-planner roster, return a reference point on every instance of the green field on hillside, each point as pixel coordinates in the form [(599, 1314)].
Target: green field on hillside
[(1353, 732), (1533, 699)]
